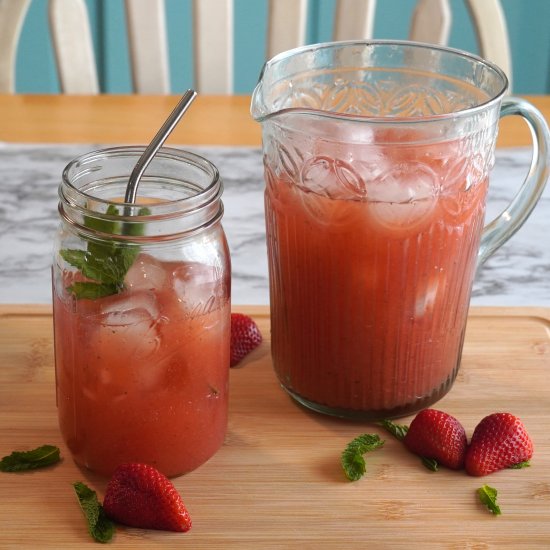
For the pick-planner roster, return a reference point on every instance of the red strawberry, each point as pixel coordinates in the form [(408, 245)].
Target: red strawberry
[(499, 441), (437, 435), (245, 336), (138, 495)]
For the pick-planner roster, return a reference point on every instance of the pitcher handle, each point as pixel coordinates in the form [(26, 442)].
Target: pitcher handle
[(497, 232)]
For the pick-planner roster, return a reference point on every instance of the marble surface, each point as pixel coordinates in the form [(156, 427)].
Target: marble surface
[(517, 274)]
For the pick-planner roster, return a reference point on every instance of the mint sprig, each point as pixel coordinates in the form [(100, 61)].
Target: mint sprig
[(101, 528), (20, 461), (352, 460), (399, 431), (488, 496), (105, 268), (104, 263)]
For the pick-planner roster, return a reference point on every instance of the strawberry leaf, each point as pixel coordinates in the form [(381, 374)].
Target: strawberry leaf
[(488, 497), (101, 528), (399, 431), (20, 461), (352, 459)]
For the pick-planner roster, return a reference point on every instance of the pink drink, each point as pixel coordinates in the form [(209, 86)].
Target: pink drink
[(369, 294), (143, 375)]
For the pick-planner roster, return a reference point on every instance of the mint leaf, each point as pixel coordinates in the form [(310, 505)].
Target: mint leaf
[(104, 263), (430, 463), (101, 250), (105, 226), (124, 258), (520, 465), (91, 291), (399, 431), (77, 258), (488, 497), (20, 461), (137, 229), (104, 270), (100, 526), (352, 459)]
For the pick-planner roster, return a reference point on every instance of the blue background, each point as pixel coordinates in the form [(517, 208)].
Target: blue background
[(528, 26)]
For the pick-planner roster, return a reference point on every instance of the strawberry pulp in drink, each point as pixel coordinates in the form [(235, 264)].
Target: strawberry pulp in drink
[(371, 264)]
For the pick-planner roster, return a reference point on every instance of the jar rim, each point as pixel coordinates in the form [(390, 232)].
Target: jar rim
[(194, 181), (170, 153)]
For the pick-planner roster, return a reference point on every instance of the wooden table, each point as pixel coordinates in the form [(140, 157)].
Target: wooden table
[(212, 120), (277, 480)]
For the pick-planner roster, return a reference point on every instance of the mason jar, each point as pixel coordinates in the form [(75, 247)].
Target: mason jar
[(141, 302)]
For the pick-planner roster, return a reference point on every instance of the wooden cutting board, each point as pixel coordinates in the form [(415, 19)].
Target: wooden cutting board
[(277, 481)]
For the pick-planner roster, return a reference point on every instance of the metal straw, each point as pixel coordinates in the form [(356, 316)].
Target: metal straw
[(156, 144)]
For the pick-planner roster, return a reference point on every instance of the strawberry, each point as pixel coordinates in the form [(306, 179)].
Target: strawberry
[(245, 336), (499, 441), (437, 435), (138, 495)]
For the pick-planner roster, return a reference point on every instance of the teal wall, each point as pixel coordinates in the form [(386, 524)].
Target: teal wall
[(528, 25)]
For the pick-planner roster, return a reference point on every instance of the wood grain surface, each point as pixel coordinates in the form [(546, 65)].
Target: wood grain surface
[(277, 481), (212, 120)]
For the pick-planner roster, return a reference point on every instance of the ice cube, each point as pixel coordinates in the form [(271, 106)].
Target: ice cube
[(318, 176), (128, 308), (403, 197), (196, 287), (126, 341), (333, 178), (328, 214), (146, 273), (332, 135), (426, 299)]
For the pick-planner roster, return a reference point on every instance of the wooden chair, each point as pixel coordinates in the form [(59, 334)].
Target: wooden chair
[(213, 38), (12, 14)]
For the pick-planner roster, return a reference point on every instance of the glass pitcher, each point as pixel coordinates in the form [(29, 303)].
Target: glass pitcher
[(377, 158)]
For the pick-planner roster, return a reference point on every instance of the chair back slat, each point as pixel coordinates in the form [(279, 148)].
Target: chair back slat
[(286, 25), (431, 22), (213, 46), (148, 46), (73, 47), (353, 19), (213, 38), (492, 33), (12, 15)]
